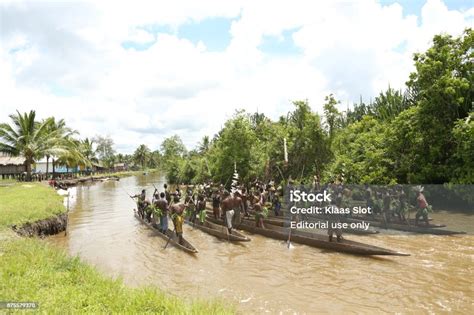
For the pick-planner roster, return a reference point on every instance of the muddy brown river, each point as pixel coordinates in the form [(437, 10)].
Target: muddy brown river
[(264, 276)]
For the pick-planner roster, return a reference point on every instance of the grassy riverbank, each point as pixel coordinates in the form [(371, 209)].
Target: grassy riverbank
[(27, 202), (34, 271)]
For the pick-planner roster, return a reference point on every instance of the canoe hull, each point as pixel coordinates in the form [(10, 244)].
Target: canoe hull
[(408, 228), (314, 240), (170, 235), (284, 222), (219, 231)]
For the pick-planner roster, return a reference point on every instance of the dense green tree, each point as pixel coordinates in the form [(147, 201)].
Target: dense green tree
[(463, 157), (173, 152), (442, 88), (237, 144), (332, 114), (361, 156)]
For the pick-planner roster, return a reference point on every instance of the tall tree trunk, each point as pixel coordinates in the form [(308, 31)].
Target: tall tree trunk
[(28, 169), (47, 166), (54, 168)]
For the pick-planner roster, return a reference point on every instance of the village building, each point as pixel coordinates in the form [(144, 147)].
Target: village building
[(12, 166)]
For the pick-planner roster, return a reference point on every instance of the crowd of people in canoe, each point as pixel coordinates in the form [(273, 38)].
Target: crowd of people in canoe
[(242, 203), (231, 207)]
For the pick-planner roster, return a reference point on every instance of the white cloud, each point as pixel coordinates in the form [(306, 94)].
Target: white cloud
[(67, 60)]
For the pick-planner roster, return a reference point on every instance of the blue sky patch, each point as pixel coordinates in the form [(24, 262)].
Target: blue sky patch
[(413, 7), (213, 32), (280, 45), (401, 48)]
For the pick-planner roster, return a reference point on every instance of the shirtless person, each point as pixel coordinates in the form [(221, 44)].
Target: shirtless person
[(201, 208), (259, 212), (238, 207), (227, 208), (191, 207), (216, 203), (422, 207), (177, 215), (244, 197), (162, 205), (141, 203)]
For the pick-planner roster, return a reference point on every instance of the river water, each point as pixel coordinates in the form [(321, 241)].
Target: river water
[(264, 276)]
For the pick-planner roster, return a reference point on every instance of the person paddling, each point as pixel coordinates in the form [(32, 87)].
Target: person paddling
[(141, 203)]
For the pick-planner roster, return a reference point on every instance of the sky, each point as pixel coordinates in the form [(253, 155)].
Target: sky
[(143, 71)]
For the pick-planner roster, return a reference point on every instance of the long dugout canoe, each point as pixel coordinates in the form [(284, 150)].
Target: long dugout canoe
[(284, 221), (434, 229), (219, 231), (171, 235), (313, 239), (407, 228)]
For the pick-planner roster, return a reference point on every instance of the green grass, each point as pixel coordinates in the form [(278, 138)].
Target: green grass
[(23, 202), (34, 271)]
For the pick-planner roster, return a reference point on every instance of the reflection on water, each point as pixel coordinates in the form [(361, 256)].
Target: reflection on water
[(264, 275)]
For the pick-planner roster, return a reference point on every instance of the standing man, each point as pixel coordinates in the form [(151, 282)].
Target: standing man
[(422, 207), (177, 215), (162, 205), (201, 208), (216, 203), (227, 209), (167, 194), (244, 196), (141, 203), (260, 211), (191, 207), (237, 206), (335, 219), (276, 204)]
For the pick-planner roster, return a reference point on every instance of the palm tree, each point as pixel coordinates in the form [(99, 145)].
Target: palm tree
[(57, 141), (204, 145), (86, 147), (25, 137), (72, 156), (141, 155)]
